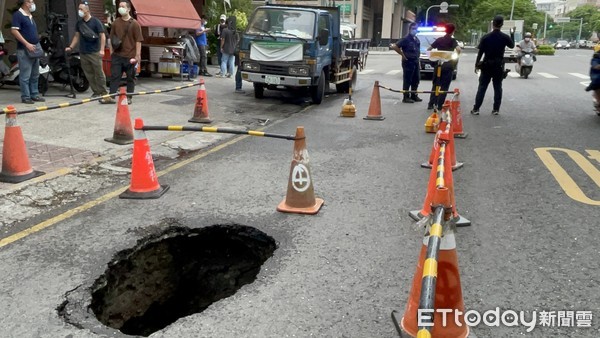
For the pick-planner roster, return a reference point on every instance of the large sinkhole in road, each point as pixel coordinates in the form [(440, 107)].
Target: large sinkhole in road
[(177, 273)]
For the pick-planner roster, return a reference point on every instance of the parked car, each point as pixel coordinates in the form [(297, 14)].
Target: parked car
[(561, 44)]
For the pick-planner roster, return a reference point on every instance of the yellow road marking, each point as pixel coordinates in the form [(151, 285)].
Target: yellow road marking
[(72, 212), (564, 179)]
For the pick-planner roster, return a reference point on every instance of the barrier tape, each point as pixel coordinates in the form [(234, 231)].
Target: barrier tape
[(413, 91), (439, 180), (430, 272), (219, 130), (76, 103)]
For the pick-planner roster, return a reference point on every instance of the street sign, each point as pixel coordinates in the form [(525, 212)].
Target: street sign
[(444, 7), (345, 8), (534, 26), (562, 19)]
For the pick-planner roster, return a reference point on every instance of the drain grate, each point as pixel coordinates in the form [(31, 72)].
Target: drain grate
[(177, 273)]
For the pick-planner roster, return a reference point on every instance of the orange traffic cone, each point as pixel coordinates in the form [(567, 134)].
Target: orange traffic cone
[(448, 292), (201, 107), (15, 161), (123, 132), (300, 198), (457, 121), (417, 215), (144, 181), (375, 105), (451, 145)]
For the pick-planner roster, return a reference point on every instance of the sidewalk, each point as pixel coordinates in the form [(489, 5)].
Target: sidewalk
[(70, 140)]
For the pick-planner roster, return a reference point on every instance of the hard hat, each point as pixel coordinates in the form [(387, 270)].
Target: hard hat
[(527, 35), (223, 17)]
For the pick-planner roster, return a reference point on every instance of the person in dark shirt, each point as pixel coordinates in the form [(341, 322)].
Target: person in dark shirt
[(444, 43), (91, 40), (409, 48), (595, 78), (492, 45)]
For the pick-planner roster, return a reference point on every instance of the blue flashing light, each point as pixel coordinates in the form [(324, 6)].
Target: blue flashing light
[(431, 29)]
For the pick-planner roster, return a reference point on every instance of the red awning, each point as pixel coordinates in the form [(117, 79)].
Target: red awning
[(171, 13)]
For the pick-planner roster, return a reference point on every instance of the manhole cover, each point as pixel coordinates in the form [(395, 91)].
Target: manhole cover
[(177, 273)]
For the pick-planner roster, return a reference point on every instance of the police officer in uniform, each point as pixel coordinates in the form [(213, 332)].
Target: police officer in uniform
[(409, 47), (445, 43), (492, 68)]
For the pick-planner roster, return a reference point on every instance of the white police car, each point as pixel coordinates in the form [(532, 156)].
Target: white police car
[(426, 36)]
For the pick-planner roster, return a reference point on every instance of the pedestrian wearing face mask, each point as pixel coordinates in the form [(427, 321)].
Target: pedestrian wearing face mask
[(25, 31), (89, 34), (218, 30), (128, 54), (409, 48)]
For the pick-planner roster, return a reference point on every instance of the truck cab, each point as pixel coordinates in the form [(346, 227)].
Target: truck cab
[(286, 47)]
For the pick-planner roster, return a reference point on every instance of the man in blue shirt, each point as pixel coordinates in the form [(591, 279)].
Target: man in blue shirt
[(202, 42), (25, 31), (409, 48)]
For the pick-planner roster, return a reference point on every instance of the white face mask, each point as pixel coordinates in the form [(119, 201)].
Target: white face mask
[(527, 39), (32, 9), (80, 13), (122, 10)]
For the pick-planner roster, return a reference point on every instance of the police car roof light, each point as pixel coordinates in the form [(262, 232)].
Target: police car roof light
[(431, 29)]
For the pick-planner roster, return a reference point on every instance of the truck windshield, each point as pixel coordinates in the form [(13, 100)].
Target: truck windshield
[(282, 22)]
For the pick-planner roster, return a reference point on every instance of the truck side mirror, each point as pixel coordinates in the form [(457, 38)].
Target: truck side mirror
[(323, 36)]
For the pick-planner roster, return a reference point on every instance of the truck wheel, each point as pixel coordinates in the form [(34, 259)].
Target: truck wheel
[(259, 90), (318, 91)]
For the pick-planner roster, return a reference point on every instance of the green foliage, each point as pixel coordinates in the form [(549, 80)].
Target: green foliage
[(545, 50)]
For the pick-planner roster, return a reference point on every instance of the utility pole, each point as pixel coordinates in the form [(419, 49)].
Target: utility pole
[(545, 24)]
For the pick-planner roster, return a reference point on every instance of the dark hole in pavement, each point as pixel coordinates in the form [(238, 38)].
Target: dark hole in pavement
[(177, 273)]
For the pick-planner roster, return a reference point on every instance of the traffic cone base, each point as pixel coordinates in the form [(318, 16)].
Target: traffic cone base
[(123, 140), (6, 178), (416, 215), (459, 220), (128, 194), (348, 109), (461, 135), (283, 207)]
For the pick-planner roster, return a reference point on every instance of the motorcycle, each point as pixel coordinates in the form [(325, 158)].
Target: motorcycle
[(526, 65), (10, 75), (64, 69)]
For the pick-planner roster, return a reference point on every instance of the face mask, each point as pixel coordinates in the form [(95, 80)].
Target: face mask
[(527, 39), (122, 10), (80, 13), (32, 9), (413, 32)]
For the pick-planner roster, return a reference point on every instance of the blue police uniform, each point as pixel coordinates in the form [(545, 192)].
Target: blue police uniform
[(410, 46)]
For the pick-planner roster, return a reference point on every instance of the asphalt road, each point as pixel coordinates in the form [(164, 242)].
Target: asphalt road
[(532, 245)]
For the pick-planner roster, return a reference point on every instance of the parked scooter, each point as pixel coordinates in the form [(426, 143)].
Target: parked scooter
[(9, 75), (526, 66), (64, 69)]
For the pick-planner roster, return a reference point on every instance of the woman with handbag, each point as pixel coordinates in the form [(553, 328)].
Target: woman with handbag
[(29, 51)]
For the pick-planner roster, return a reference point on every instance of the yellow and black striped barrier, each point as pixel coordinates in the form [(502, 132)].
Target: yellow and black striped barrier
[(216, 130), (414, 91), (430, 273), (79, 102)]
